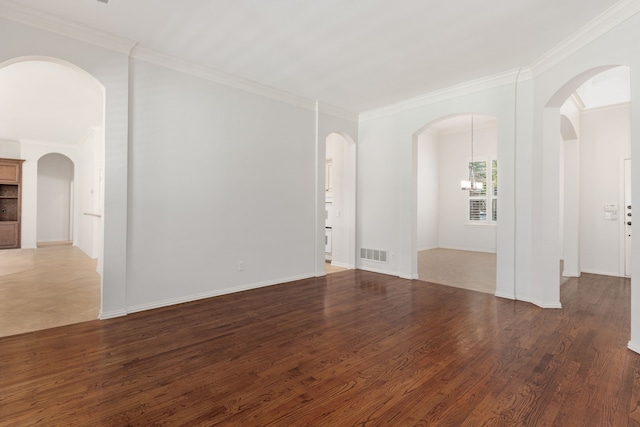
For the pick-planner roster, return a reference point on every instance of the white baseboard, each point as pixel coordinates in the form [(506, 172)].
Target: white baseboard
[(505, 295), (218, 292), (603, 273), (379, 270), (571, 273), (633, 347), (342, 265), (111, 314), (483, 250)]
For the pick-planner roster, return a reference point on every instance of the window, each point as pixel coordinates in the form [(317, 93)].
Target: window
[(487, 198)]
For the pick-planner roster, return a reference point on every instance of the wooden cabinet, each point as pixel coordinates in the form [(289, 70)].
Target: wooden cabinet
[(10, 202)]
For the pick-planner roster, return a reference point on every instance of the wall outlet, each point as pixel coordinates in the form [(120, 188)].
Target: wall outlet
[(392, 256), (240, 265)]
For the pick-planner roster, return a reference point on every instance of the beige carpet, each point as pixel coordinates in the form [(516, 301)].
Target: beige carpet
[(62, 288), (475, 271), (16, 261)]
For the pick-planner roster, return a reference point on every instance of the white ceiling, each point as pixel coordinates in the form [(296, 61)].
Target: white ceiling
[(47, 102), (354, 54)]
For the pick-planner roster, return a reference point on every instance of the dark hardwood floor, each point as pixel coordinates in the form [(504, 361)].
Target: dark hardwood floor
[(353, 348)]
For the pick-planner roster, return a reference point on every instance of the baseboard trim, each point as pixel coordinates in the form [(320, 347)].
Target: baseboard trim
[(218, 292), (602, 273), (633, 347), (505, 295), (105, 315), (571, 273), (379, 270), (342, 265)]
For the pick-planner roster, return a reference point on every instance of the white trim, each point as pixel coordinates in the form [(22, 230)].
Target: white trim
[(505, 295), (203, 72), (626, 104), (379, 270), (603, 273), (466, 88), (112, 314), (566, 273), (338, 112), (633, 347), (342, 265), (455, 248), (609, 19), (28, 16), (204, 295), (541, 304), (44, 21)]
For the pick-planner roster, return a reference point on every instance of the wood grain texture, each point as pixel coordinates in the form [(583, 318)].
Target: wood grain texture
[(349, 349)]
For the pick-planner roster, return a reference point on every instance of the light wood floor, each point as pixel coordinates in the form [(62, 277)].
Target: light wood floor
[(46, 287), (329, 268), (348, 349)]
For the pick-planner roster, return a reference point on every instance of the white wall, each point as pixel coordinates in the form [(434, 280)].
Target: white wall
[(428, 183), (604, 143), (89, 194), (219, 177), (55, 192), (9, 149)]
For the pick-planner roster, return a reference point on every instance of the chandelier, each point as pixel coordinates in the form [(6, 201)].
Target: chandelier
[(471, 183)]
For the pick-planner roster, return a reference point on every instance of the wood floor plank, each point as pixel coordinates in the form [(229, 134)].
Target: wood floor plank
[(353, 348)]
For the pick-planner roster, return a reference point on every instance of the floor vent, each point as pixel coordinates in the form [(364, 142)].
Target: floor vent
[(373, 255)]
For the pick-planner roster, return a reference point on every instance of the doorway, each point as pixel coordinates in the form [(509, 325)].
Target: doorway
[(595, 176), (56, 126), (339, 203), (55, 200), (456, 229)]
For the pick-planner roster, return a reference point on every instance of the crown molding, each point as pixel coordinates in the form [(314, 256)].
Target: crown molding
[(619, 105), (609, 19), (43, 21), (210, 74), (338, 112), (472, 86)]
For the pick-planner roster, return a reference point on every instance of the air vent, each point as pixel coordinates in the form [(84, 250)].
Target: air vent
[(376, 255)]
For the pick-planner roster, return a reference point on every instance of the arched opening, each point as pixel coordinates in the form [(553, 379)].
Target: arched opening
[(340, 202), (456, 229), (52, 117), (586, 133)]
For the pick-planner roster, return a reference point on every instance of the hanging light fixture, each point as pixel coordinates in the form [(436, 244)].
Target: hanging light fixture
[(471, 183)]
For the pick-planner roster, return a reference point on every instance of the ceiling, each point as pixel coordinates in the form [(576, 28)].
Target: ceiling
[(43, 101), (357, 55)]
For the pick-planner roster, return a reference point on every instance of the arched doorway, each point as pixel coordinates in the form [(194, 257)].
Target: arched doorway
[(340, 201), (53, 118), (584, 177), (456, 230)]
